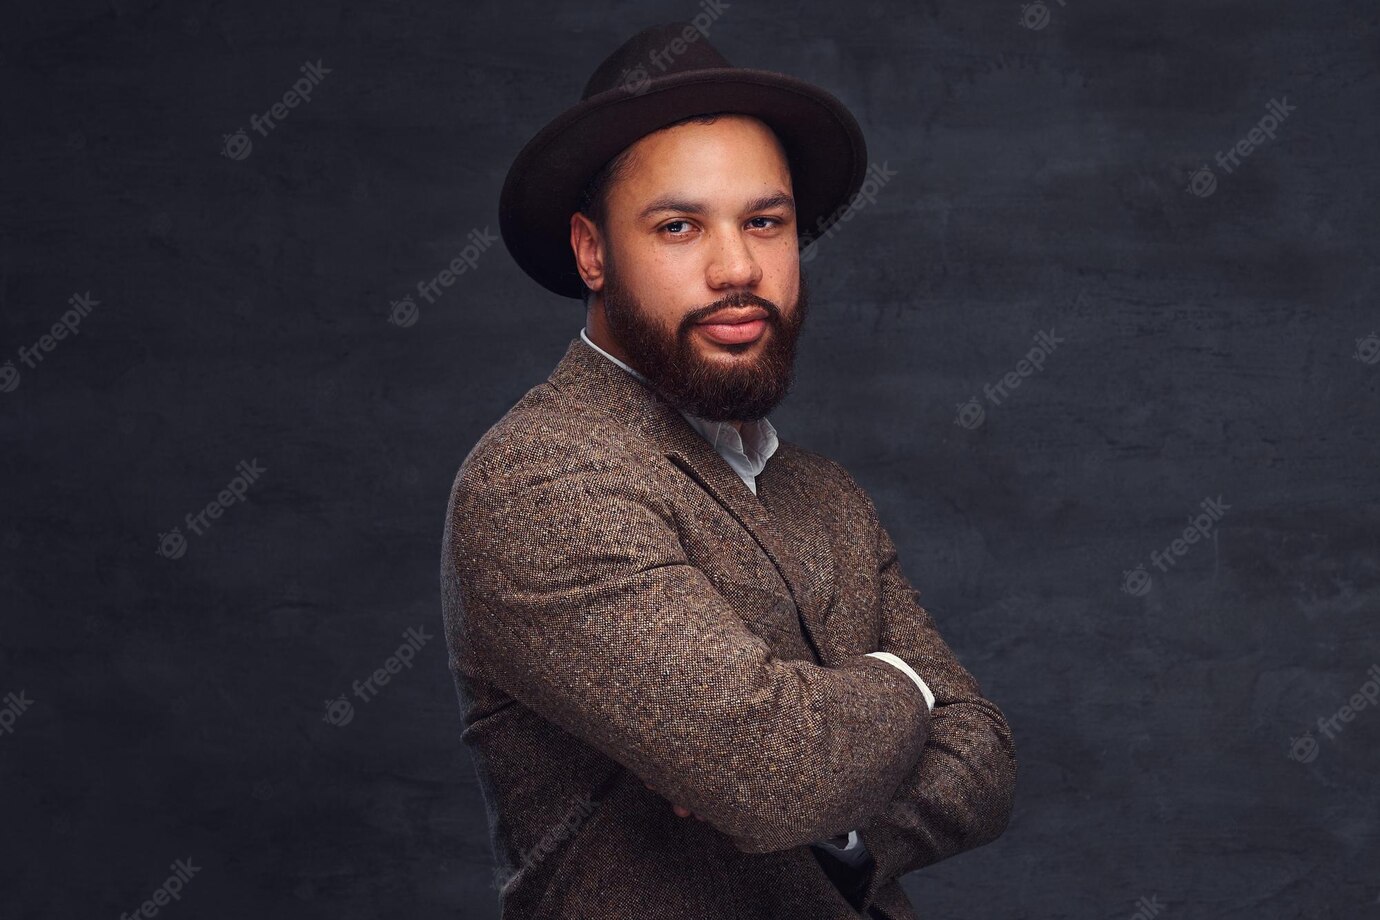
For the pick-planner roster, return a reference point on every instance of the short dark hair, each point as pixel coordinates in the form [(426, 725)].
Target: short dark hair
[(595, 197)]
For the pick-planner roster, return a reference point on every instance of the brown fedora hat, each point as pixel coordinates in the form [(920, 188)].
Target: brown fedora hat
[(662, 75)]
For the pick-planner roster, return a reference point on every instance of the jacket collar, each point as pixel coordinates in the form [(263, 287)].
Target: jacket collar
[(593, 380)]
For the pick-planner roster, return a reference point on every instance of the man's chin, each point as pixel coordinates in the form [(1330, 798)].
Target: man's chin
[(700, 374)]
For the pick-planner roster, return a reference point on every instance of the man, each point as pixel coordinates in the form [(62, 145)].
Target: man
[(694, 678)]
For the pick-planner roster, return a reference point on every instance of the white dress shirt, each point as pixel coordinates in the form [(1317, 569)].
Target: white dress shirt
[(748, 454)]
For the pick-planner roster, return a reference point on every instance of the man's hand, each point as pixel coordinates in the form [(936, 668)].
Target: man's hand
[(680, 812)]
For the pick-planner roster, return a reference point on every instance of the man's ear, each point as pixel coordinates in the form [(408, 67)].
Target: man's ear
[(588, 245)]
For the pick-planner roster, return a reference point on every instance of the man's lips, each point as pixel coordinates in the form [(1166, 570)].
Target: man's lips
[(735, 326)]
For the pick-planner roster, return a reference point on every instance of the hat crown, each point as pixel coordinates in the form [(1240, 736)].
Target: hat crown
[(656, 51)]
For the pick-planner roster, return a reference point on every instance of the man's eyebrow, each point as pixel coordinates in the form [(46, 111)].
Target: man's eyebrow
[(767, 202)]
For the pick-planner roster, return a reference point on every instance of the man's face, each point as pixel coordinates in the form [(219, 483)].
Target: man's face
[(703, 228)]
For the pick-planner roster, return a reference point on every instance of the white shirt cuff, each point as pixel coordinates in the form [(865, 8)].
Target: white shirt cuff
[(892, 659), (854, 854)]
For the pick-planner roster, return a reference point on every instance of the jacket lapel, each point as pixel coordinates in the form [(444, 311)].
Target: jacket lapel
[(716, 477), (597, 381)]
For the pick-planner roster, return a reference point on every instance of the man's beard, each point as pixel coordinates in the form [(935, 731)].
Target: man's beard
[(676, 370)]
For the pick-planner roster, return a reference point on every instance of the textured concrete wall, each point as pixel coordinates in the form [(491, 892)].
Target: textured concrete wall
[(248, 344)]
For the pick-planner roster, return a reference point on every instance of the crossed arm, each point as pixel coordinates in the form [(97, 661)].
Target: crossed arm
[(579, 602), (958, 796)]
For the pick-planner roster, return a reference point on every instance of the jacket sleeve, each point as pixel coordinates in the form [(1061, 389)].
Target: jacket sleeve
[(959, 795), (569, 586)]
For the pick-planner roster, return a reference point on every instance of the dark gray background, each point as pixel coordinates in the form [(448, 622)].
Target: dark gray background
[(1210, 348)]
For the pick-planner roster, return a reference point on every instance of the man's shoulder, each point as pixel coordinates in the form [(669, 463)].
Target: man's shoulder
[(547, 431)]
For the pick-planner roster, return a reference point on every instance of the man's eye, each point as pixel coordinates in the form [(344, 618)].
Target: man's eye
[(770, 220), (676, 223)]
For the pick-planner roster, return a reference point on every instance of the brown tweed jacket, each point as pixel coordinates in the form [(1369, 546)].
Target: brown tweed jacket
[(621, 610)]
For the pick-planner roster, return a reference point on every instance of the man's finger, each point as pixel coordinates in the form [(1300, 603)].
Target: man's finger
[(680, 812)]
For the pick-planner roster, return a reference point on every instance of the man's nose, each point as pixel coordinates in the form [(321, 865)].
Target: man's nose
[(733, 265)]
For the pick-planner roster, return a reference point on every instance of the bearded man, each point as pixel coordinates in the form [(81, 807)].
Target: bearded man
[(694, 679)]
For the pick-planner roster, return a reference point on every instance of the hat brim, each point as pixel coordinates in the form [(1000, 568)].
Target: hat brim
[(826, 147)]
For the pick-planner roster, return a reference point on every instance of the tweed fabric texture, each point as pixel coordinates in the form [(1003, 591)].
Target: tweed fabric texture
[(620, 610)]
